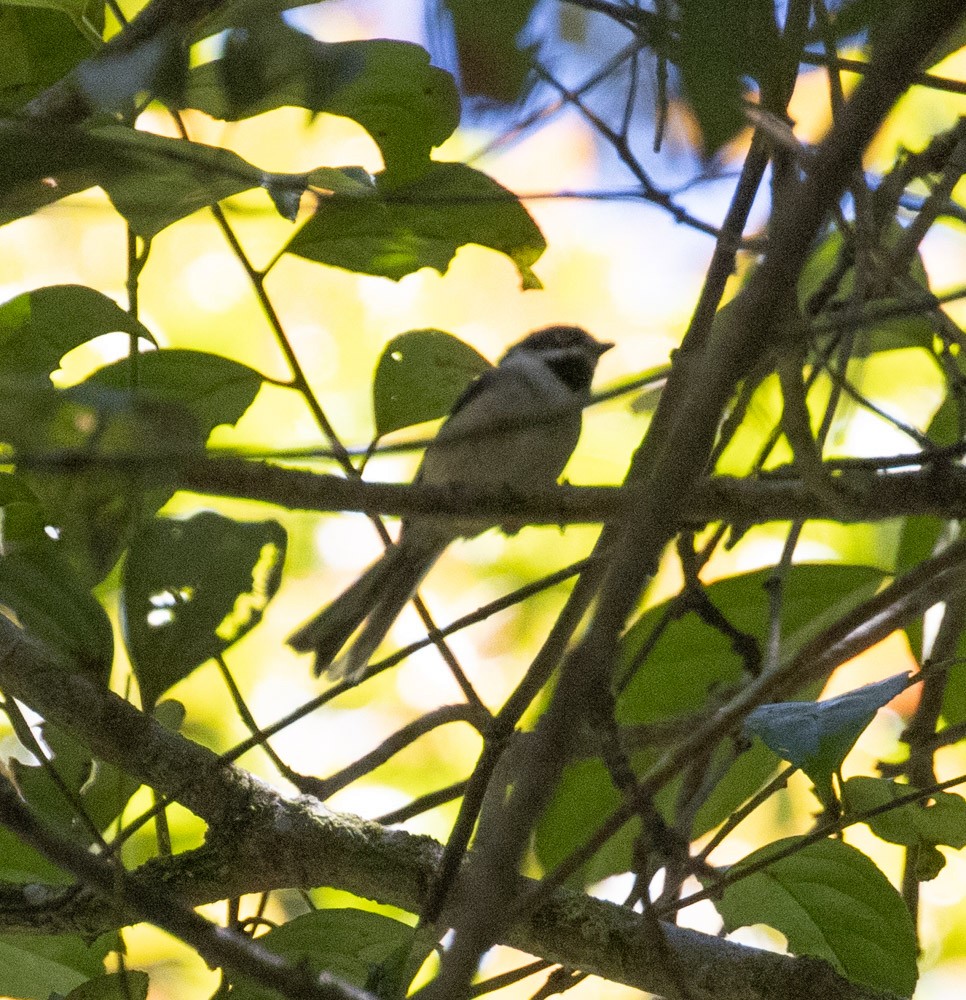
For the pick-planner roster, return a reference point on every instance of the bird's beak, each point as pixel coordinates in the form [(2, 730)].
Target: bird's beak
[(602, 346)]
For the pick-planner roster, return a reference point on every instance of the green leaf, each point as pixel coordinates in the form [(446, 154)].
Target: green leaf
[(388, 87), (939, 819), (719, 44), (832, 902), (107, 793), (73, 765), (193, 587), (492, 63), (586, 795), (688, 662), (350, 944), (180, 397), (127, 985), (419, 377), (395, 232), (95, 506), (38, 328), (38, 582), (40, 45), (34, 966), (154, 181), (213, 389), (817, 736)]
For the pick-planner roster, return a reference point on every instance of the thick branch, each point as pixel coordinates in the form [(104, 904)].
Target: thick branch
[(937, 488)]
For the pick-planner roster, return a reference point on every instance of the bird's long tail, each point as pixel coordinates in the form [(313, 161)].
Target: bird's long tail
[(374, 602)]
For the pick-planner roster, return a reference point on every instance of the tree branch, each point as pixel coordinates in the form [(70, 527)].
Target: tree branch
[(938, 488), (258, 840)]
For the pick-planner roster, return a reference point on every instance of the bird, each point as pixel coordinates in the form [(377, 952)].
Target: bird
[(516, 425)]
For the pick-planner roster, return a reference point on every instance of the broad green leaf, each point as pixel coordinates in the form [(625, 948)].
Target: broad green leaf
[(154, 181), (493, 63), (586, 795), (181, 396), (691, 658), (22, 864), (107, 793), (388, 87), (213, 389), (40, 45), (128, 985), (688, 662), (348, 943), (419, 377), (830, 901), (33, 966), (817, 736), (95, 505), (193, 587), (939, 819), (38, 328), (38, 582), (396, 231), (39, 165)]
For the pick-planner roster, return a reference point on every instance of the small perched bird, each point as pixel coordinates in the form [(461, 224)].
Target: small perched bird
[(516, 425)]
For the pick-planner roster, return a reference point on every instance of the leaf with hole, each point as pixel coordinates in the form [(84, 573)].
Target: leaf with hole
[(191, 588), (39, 583), (419, 377)]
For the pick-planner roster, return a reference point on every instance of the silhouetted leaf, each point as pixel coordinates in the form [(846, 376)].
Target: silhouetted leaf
[(131, 984), (213, 389), (38, 328), (719, 45), (38, 582), (388, 87), (39, 45), (35, 966), (492, 62), (192, 588)]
